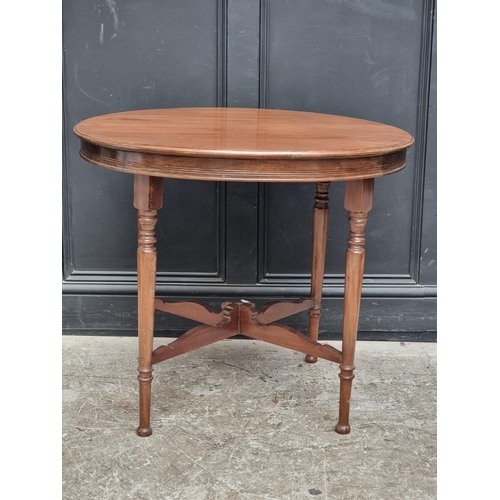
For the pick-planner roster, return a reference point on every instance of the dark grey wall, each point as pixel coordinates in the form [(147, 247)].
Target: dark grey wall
[(362, 58)]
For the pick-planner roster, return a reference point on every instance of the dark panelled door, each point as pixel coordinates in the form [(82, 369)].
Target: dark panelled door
[(373, 60)]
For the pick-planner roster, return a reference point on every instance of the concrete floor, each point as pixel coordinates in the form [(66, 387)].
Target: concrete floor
[(247, 420)]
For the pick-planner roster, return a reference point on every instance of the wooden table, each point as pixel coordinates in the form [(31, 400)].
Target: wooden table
[(247, 145)]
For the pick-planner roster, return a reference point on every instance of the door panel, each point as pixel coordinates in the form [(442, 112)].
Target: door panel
[(138, 55), (358, 59)]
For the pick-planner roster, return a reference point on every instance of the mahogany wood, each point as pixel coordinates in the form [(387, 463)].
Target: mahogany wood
[(320, 233), (148, 192), (358, 201), (242, 133), (243, 169), (275, 310), (148, 200), (197, 337), (286, 336), (241, 320), (197, 311), (238, 144), (224, 144)]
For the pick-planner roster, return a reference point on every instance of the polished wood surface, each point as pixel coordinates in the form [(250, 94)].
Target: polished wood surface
[(320, 233), (242, 318), (358, 201), (242, 144), (247, 145), (148, 199)]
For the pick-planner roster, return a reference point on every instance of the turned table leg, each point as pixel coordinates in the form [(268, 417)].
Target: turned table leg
[(148, 195), (320, 230), (358, 202)]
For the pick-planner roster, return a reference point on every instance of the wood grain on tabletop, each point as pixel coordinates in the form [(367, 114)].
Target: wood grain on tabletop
[(242, 133)]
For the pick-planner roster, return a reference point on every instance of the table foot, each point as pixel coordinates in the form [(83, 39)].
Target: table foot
[(311, 359), (145, 378), (342, 429), (144, 431)]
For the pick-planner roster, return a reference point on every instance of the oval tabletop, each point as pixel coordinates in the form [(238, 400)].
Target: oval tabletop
[(238, 144)]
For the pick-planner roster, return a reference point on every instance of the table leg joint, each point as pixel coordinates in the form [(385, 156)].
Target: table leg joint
[(242, 318)]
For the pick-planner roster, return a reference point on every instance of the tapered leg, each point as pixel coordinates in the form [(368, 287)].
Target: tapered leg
[(320, 230), (358, 201), (148, 193)]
